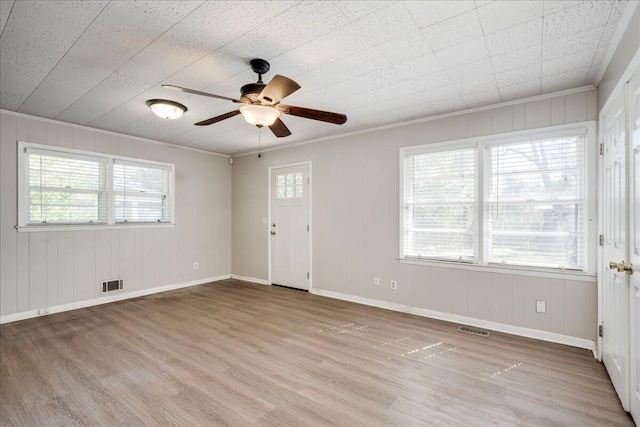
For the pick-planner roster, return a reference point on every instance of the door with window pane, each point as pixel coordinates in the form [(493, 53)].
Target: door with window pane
[(289, 228)]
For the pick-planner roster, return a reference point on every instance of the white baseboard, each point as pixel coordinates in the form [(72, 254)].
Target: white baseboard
[(454, 318), (250, 279), (107, 299)]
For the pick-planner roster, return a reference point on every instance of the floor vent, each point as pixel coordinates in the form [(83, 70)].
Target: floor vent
[(112, 285), (473, 331)]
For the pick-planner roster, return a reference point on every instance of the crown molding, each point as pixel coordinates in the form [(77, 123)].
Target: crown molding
[(107, 132)]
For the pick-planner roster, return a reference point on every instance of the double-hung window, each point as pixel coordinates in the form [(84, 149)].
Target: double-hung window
[(142, 192), (64, 187), (440, 204), (535, 202), (520, 199)]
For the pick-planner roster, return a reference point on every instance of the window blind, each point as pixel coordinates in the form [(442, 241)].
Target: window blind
[(440, 205), (65, 188), (536, 202), (142, 192)]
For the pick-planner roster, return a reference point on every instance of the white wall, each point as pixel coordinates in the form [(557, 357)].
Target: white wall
[(626, 49), (355, 224), (46, 269)]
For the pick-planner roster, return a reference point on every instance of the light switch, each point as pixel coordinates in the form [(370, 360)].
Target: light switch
[(541, 306)]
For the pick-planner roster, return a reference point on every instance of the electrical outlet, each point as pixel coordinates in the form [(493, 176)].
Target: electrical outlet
[(376, 281), (394, 285), (196, 266), (43, 311), (541, 306)]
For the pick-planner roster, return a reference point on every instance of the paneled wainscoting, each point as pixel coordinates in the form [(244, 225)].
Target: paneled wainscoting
[(233, 353)]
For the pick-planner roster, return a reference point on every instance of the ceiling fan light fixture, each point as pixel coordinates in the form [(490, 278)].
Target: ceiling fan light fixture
[(259, 115), (166, 109)]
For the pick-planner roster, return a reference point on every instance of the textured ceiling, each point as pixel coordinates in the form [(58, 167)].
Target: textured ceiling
[(95, 63)]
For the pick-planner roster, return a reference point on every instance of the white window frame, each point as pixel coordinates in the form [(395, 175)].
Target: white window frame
[(23, 190), (436, 148), (480, 144), (152, 165)]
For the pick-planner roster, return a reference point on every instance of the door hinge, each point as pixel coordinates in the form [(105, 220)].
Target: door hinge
[(601, 240), (308, 180), (307, 275), (602, 149), (600, 331), (307, 227)]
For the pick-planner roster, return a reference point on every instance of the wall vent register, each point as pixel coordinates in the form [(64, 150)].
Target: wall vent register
[(112, 285)]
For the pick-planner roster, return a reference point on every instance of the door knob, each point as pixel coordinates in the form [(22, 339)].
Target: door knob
[(622, 267)]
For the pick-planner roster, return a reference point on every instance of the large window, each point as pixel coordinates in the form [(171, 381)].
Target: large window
[(58, 186), (518, 200), (535, 202), (440, 204)]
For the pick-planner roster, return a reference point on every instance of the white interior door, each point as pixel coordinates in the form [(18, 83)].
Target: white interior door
[(615, 284), (634, 213), (289, 228)]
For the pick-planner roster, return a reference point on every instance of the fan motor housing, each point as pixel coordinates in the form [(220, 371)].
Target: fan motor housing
[(251, 91)]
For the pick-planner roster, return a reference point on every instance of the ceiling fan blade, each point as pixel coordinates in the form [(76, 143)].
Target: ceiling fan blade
[(197, 92), (308, 113), (217, 119), (278, 88), (279, 129)]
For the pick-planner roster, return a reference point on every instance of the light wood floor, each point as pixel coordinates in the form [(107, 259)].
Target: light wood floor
[(232, 353)]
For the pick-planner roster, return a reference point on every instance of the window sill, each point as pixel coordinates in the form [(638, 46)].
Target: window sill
[(77, 227), (551, 273)]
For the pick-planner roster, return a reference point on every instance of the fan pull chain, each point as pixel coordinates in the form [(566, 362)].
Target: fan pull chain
[(259, 141)]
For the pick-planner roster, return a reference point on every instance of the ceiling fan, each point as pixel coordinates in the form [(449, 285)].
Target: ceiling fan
[(262, 103)]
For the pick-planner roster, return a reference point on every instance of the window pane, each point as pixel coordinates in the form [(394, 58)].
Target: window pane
[(282, 192), (136, 208), (440, 205), (142, 193), (66, 190), (535, 202), (298, 192), (144, 179)]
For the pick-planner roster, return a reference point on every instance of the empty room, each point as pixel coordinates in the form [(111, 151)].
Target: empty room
[(320, 213)]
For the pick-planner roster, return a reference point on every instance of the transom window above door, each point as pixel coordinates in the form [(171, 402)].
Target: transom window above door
[(289, 186)]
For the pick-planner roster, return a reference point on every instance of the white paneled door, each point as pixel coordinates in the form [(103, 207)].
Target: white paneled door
[(634, 237), (289, 228), (615, 280)]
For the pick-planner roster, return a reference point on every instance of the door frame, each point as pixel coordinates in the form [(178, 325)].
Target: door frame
[(633, 65), (268, 229)]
